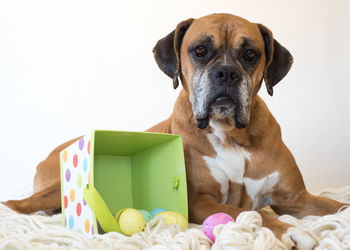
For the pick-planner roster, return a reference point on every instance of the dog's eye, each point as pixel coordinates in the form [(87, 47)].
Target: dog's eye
[(200, 51), (249, 55)]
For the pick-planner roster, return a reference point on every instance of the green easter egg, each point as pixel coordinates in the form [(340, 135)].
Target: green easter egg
[(148, 216)]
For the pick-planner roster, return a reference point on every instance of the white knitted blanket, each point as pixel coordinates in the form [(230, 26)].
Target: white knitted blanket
[(40, 231)]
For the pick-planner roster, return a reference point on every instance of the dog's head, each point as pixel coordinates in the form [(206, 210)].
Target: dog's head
[(221, 60)]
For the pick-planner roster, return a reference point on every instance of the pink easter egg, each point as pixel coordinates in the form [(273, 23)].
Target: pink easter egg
[(212, 221)]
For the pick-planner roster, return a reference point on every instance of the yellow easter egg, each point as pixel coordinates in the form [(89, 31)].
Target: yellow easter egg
[(170, 217), (130, 221)]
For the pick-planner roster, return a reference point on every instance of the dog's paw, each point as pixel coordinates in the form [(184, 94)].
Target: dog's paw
[(302, 239)]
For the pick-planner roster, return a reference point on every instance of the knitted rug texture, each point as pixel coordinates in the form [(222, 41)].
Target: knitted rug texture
[(39, 231)]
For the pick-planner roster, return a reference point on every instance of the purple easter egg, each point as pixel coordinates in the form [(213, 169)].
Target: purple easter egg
[(212, 221)]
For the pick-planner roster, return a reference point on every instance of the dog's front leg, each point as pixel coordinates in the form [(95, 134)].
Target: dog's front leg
[(301, 203), (290, 195)]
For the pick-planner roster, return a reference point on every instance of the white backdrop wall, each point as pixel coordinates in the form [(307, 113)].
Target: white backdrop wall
[(68, 67)]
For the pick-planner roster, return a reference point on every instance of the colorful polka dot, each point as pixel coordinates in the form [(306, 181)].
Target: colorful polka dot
[(87, 226), (65, 155), (76, 173), (72, 195), (75, 160), (81, 143), (68, 175), (79, 180), (71, 222), (65, 201), (78, 209), (85, 165)]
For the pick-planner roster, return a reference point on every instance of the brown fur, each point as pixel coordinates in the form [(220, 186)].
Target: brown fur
[(261, 137)]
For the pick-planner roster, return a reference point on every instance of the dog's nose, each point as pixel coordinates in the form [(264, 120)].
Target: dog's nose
[(225, 74)]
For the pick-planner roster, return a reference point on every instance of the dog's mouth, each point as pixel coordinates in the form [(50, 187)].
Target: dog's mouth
[(221, 109)]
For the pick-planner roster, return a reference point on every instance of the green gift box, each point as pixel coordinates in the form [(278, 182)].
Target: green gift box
[(106, 171)]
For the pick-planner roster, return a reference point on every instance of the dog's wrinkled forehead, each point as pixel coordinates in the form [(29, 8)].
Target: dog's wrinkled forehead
[(222, 31)]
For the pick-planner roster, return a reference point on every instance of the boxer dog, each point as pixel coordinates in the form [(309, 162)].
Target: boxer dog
[(235, 157)]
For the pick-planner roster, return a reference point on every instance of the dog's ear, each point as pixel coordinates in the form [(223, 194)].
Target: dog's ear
[(278, 60), (167, 51)]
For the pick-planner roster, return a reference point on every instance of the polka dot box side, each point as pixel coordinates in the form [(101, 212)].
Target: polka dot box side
[(75, 174)]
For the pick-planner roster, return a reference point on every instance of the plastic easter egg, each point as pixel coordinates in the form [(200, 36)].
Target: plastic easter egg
[(170, 217), (130, 221), (212, 221), (148, 216), (157, 210)]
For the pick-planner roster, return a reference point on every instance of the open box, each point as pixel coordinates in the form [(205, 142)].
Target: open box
[(129, 169)]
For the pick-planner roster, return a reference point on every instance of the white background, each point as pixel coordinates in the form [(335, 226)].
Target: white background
[(68, 67)]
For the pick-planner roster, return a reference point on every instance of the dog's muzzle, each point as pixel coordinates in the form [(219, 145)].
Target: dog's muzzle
[(221, 104)]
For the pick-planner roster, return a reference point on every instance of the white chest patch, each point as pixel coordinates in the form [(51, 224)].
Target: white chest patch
[(229, 163), (260, 190), (229, 166)]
